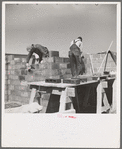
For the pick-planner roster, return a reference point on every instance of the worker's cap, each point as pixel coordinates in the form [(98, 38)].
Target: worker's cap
[(80, 38)]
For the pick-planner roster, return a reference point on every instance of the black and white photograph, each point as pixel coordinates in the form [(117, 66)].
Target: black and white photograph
[(61, 74)]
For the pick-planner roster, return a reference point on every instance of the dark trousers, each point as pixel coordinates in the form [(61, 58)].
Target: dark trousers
[(76, 62)]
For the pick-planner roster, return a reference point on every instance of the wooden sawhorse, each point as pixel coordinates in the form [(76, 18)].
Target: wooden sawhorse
[(75, 93)]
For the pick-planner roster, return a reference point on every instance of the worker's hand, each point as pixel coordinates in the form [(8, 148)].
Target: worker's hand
[(28, 66)]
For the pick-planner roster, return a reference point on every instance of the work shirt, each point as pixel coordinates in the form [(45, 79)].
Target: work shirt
[(39, 50), (79, 44)]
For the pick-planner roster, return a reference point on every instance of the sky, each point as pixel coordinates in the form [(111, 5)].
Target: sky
[(55, 25)]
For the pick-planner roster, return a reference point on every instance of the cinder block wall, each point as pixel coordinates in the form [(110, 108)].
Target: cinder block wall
[(16, 75)]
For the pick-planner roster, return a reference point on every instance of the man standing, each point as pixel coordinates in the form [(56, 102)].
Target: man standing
[(39, 51), (75, 54)]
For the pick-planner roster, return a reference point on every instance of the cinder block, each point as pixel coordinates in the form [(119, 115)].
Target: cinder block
[(21, 77), (66, 60), (16, 92), (10, 67), (25, 94), (30, 78), (17, 60), (64, 65), (12, 62), (51, 65), (6, 98), (6, 77), (13, 77), (54, 77), (47, 72), (7, 82), (9, 58), (53, 80), (59, 60), (65, 71), (53, 53), (21, 88), (23, 72), (7, 72), (11, 87), (19, 66), (23, 66), (15, 82), (48, 60), (39, 78), (24, 60), (65, 76), (71, 81), (6, 87)]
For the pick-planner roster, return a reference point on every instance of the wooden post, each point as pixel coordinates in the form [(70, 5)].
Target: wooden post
[(63, 100), (114, 98), (33, 93), (99, 98)]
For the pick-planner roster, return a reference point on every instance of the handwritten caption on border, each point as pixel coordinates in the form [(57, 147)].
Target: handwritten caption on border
[(65, 116)]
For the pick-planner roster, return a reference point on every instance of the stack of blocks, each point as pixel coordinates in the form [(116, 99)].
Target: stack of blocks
[(16, 75), (15, 89)]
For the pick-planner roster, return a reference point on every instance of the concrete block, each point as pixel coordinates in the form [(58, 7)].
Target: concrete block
[(21, 88), (53, 53), (7, 82), (59, 60), (9, 58), (16, 92), (15, 82), (66, 60), (11, 87), (29, 78), (15, 72), (65, 71), (13, 77), (17, 60), (6, 98), (12, 62), (7, 72), (50, 65), (55, 77), (25, 94), (47, 72), (64, 65), (19, 66), (49, 60), (10, 67), (66, 76), (21, 77), (23, 66), (7, 92), (23, 72), (23, 60), (53, 80)]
